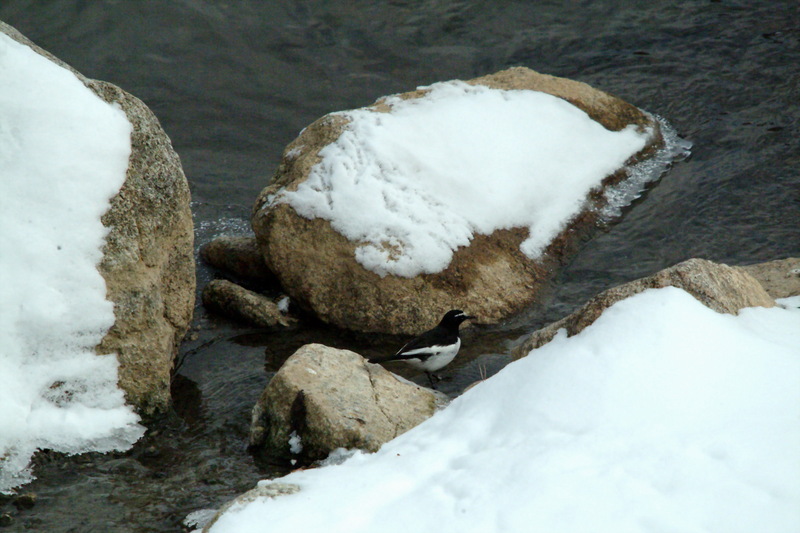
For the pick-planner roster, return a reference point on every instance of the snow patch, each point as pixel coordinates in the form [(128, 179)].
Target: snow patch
[(283, 305), (295, 443)]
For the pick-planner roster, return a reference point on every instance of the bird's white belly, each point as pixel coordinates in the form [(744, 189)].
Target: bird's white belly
[(442, 355)]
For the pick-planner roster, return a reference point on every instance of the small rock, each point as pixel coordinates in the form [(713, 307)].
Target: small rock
[(719, 287), (124, 466), (151, 452), (6, 520), (25, 501), (239, 303), (323, 398), (269, 489), (239, 256)]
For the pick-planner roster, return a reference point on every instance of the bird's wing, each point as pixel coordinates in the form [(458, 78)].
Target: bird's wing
[(412, 350), (426, 345), (418, 348), (421, 353), (419, 344)]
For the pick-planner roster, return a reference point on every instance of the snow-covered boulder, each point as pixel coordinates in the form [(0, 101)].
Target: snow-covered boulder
[(324, 398), (458, 195), (719, 287), (147, 260)]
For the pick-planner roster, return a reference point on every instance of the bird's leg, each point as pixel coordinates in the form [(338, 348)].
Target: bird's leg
[(431, 377)]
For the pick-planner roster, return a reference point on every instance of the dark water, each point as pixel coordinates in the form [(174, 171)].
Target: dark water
[(234, 82)]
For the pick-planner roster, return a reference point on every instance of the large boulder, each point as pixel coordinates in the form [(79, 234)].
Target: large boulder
[(720, 287), (148, 259), (490, 277), (324, 398)]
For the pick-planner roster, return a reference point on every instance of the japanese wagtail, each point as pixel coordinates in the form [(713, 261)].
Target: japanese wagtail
[(434, 349)]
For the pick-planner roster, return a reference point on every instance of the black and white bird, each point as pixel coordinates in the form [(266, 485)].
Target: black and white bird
[(435, 348)]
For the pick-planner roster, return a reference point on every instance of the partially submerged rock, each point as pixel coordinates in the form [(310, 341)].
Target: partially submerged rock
[(239, 256), (491, 276), (323, 398), (239, 303), (720, 287), (26, 500), (780, 278), (148, 260)]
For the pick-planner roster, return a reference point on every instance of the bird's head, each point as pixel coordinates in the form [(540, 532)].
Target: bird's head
[(454, 318)]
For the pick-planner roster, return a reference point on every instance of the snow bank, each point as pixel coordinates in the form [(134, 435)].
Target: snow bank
[(415, 184), (661, 416), (63, 155)]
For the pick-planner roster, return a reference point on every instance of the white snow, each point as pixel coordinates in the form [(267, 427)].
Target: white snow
[(413, 185), (661, 416), (283, 305), (63, 155), (295, 443)]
